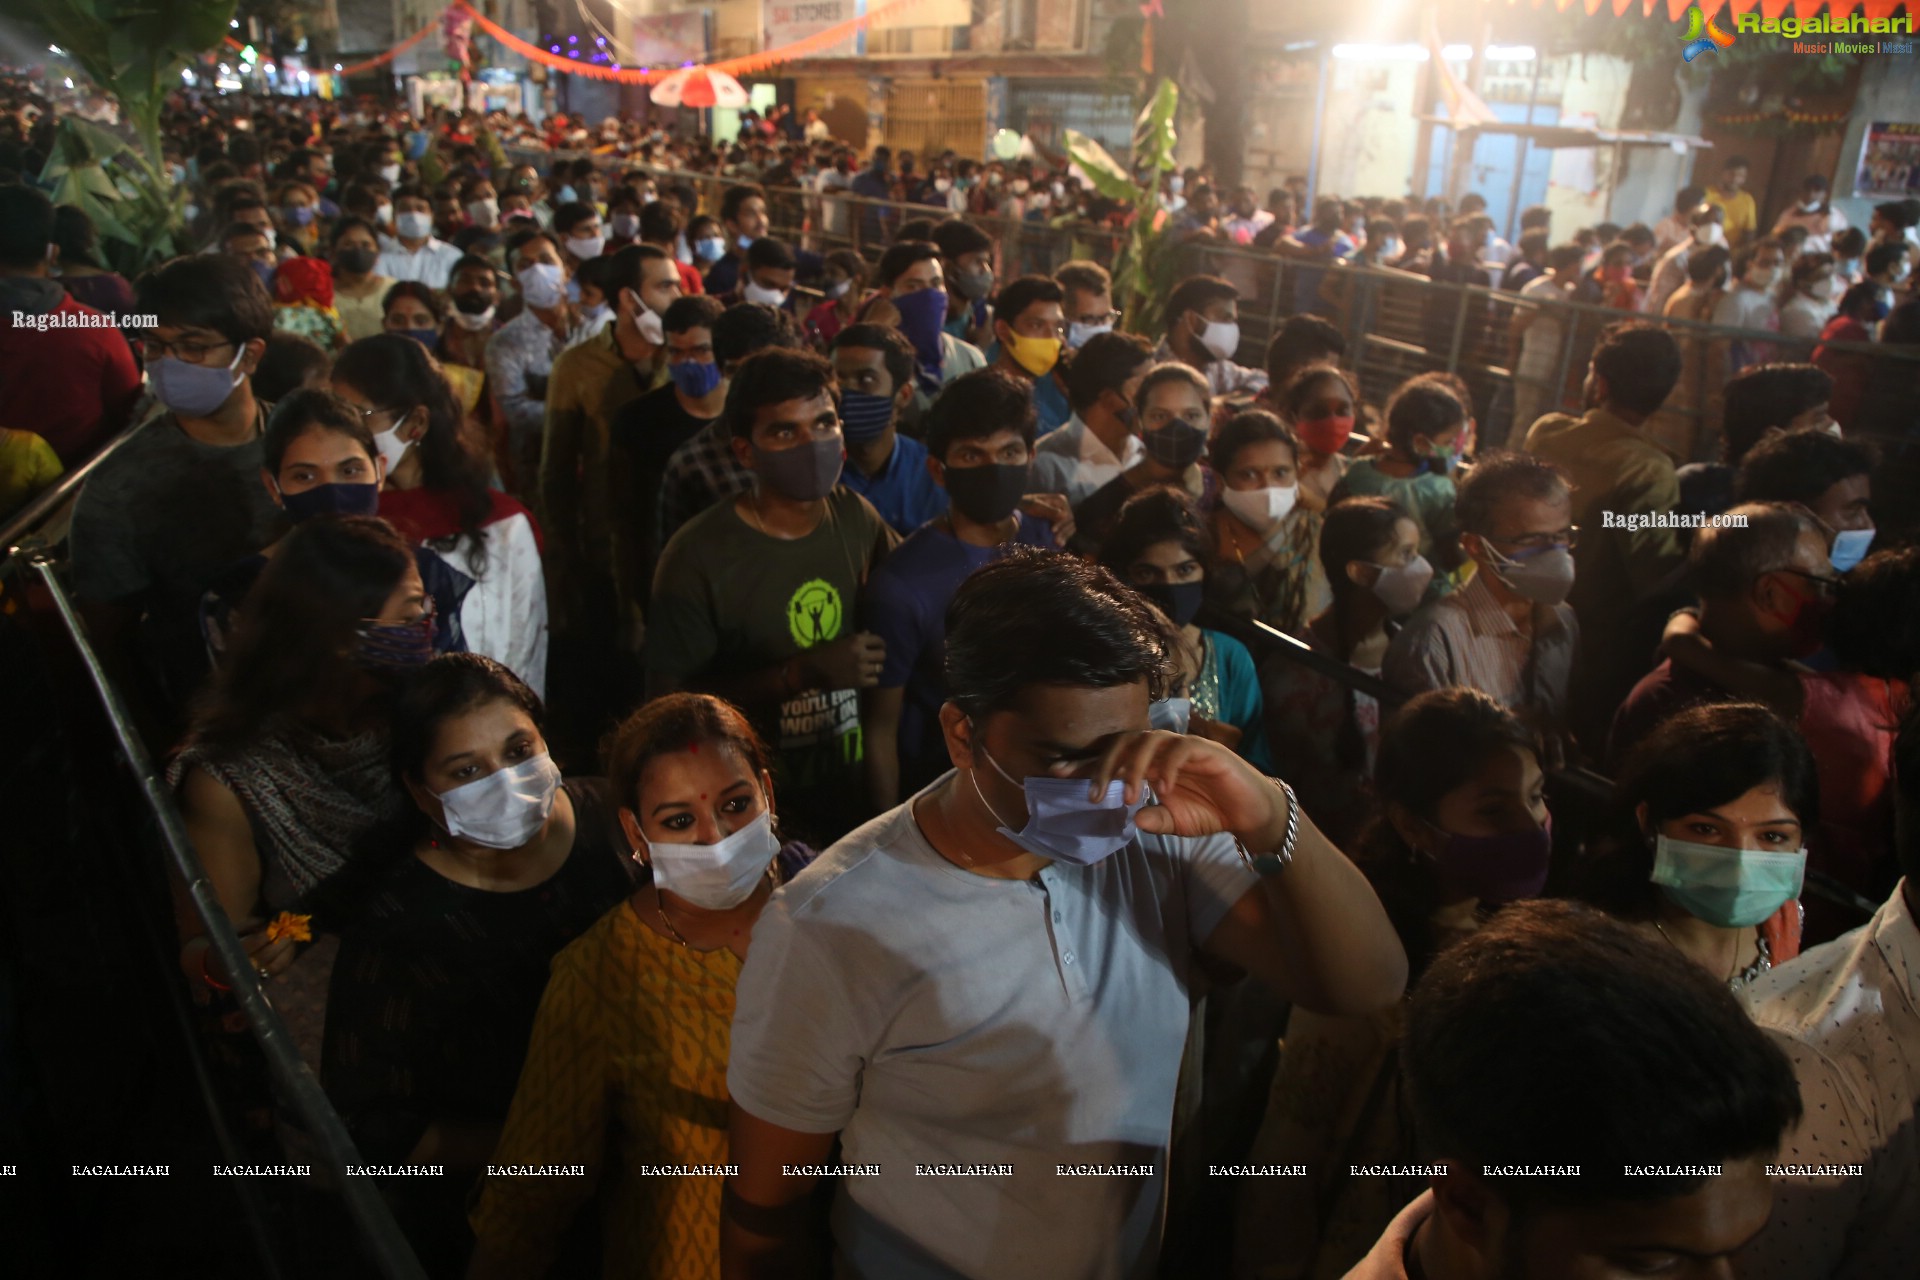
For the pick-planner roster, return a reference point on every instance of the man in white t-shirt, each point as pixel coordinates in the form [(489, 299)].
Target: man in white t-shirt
[(983, 994)]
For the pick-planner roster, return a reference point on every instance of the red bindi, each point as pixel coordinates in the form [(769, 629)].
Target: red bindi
[(693, 748), (703, 795)]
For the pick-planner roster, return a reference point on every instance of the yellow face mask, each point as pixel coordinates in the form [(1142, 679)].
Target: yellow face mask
[(1036, 355)]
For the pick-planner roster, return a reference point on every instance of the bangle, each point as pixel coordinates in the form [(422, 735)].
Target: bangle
[(206, 976), (1283, 856)]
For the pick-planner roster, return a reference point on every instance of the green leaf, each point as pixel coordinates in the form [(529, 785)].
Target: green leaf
[(1153, 136), (1106, 173)]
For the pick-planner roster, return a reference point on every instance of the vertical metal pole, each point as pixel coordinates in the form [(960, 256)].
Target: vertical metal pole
[(1319, 128), (1459, 330)]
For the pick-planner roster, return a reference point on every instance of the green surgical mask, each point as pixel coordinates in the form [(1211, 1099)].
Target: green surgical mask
[(1729, 888)]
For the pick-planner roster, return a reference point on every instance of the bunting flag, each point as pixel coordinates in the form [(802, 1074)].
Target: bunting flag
[(380, 58), (1465, 108), (747, 65)]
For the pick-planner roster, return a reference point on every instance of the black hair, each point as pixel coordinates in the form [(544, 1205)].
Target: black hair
[(692, 311), (524, 236), (207, 291), (1565, 257), (1088, 277), (1735, 161), (1558, 1036), (1017, 295), (1171, 371), (1875, 624), (975, 406), (1766, 397), (1293, 396), (312, 409), (736, 198), (1248, 427), (1196, 293), (1705, 265), (850, 262), (749, 327), (1498, 477), (895, 351), (570, 215), (672, 724), (1850, 243), (450, 685), (324, 581), (1103, 364), (394, 372), (425, 294), (472, 262), (1303, 340), (1696, 759), (1724, 559), (1641, 363), (597, 273), (1535, 216), (915, 229), (285, 366), (1799, 466), (771, 376), (1161, 513), (1881, 257), (769, 252), (957, 237), (657, 223), (901, 256), (73, 232), (1533, 243), (1436, 743), (1422, 407), (1034, 617)]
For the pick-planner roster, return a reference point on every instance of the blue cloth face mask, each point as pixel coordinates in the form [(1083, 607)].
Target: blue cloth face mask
[(331, 500), (194, 390), (1850, 548), (1062, 824), (694, 378), (1728, 888), (864, 416)]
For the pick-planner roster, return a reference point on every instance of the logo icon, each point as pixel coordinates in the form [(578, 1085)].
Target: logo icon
[(814, 613), (1703, 33)]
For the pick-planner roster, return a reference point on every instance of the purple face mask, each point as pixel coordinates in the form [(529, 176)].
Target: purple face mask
[(1503, 868)]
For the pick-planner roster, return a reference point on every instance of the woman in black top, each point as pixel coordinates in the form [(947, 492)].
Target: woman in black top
[(440, 974)]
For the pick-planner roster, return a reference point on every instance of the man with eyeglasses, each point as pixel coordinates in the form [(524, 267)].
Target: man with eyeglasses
[(1619, 471), (1509, 632), (1763, 586), (755, 599), (181, 500)]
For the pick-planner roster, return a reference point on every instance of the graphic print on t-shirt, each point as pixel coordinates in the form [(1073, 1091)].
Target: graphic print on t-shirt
[(814, 613)]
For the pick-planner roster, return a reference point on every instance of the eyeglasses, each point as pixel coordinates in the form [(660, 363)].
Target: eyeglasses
[(1110, 317), (193, 352), (1534, 543), (1823, 582)]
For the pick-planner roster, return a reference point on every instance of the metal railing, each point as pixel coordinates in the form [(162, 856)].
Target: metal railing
[(380, 1235), (1396, 323), (14, 535)]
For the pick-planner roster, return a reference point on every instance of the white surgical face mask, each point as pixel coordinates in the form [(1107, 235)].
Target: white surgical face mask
[(1220, 340), (473, 323), (1259, 508), (754, 292), (383, 214), (1172, 714), (1824, 288), (542, 284), (505, 809), (392, 448), (1763, 277), (1401, 587), (838, 289), (414, 225), (390, 173), (1079, 335), (1709, 235), (584, 247), (650, 327), (716, 876)]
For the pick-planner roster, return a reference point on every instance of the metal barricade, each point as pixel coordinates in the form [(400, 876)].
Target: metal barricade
[(380, 1237)]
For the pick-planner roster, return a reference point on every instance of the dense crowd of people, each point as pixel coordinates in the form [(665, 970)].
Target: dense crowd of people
[(1131, 768)]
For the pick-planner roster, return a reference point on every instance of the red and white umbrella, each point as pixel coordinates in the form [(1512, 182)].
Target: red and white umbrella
[(700, 87)]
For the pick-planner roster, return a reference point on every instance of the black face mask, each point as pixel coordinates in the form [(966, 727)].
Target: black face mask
[(472, 303), (1180, 601), (1177, 445), (987, 495)]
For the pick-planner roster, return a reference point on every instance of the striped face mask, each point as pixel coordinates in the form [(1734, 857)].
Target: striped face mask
[(396, 646)]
